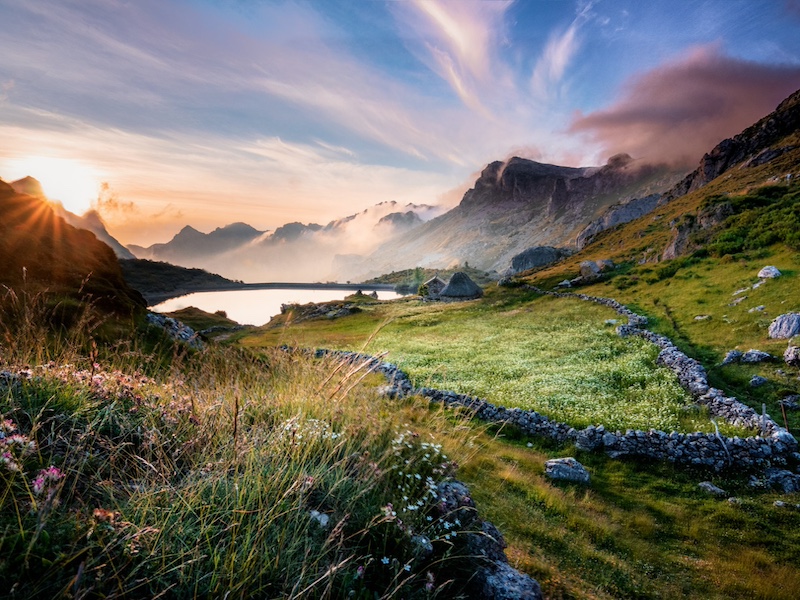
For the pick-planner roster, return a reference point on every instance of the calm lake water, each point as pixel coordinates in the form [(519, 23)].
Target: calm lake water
[(255, 307)]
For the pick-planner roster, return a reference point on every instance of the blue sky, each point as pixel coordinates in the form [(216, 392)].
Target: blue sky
[(206, 112)]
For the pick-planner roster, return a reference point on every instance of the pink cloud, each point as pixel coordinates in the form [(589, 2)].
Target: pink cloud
[(677, 112)]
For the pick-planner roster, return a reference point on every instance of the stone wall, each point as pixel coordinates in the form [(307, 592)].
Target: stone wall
[(774, 445)]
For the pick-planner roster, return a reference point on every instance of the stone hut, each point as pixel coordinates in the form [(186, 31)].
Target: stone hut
[(461, 287), (434, 287)]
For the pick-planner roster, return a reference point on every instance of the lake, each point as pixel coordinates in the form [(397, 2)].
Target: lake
[(256, 307)]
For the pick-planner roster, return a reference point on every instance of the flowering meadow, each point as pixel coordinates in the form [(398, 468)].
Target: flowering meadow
[(559, 357)]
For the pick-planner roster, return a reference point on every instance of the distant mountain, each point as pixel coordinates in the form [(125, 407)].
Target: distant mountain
[(92, 221), (191, 245), (40, 251), (294, 251), (515, 205)]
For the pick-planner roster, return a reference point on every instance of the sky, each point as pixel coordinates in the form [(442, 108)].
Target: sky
[(163, 113)]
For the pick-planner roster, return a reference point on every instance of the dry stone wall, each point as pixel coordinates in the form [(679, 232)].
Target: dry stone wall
[(773, 445)]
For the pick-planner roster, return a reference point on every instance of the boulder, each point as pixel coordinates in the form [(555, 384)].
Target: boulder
[(783, 480), (769, 272), (791, 402), (709, 487), (758, 381), (732, 356), (590, 270), (606, 264), (785, 326), (755, 356), (566, 469), (538, 256), (503, 582), (792, 356)]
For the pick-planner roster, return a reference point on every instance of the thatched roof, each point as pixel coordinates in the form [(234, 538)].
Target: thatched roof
[(435, 281), (462, 287)]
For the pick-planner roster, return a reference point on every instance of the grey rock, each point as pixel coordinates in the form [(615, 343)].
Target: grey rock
[(783, 480), (739, 300), (538, 256), (502, 582), (732, 356), (755, 356), (702, 318), (617, 215), (566, 469), (605, 265), (769, 272), (709, 487), (792, 356), (791, 402), (758, 381), (565, 284), (589, 270), (785, 326), (755, 309)]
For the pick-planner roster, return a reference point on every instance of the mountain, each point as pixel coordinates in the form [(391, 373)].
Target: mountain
[(740, 204), (515, 205), (28, 185), (294, 251), (753, 147), (191, 245), (91, 220), (41, 252)]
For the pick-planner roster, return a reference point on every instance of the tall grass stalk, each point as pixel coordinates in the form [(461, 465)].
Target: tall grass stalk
[(213, 474)]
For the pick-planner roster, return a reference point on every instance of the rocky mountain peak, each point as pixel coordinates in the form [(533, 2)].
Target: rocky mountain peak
[(28, 185)]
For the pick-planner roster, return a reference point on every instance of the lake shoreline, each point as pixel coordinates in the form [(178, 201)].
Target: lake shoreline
[(153, 299)]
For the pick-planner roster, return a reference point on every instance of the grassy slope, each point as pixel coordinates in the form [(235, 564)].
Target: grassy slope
[(642, 530)]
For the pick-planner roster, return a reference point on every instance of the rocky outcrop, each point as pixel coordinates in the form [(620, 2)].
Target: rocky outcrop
[(750, 145), (791, 356), (785, 326), (684, 230), (493, 578), (538, 256), (617, 214), (176, 330)]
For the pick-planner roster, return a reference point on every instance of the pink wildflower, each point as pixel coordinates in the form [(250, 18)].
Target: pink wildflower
[(46, 479)]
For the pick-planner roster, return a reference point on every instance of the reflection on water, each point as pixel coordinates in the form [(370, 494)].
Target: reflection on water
[(255, 307)]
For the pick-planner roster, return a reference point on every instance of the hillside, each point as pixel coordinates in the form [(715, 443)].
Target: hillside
[(157, 281), (39, 251), (518, 204)]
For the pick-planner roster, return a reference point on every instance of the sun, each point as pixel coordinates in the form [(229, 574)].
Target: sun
[(70, 181)]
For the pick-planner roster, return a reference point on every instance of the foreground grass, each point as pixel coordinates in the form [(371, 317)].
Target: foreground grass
[(198, 479), (641, 530), (215, 474)]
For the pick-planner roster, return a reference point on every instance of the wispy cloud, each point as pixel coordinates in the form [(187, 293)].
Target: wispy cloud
[(682, 109), (459, 41), (560, 50)]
